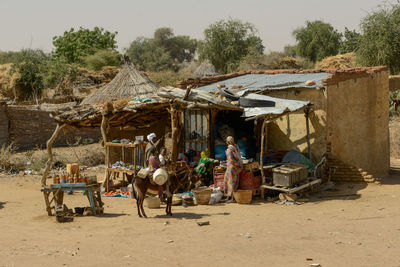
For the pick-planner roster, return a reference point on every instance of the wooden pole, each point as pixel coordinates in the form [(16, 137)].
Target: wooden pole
[(307, 111), (174, 127), (103, 126), (49, 145), (262, 156)]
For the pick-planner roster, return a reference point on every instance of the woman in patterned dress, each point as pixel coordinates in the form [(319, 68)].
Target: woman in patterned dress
[(233, 167)]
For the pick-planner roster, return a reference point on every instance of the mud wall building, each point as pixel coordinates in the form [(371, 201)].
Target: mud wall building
[(349, 121)]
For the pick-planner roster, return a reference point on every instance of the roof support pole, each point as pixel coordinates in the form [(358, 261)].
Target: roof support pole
[(306, 114), (263, 139), (103, 127), (49, 145), (174, 112)]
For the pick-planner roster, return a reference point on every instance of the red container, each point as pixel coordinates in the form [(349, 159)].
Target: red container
[(247, 181), (219, 180)]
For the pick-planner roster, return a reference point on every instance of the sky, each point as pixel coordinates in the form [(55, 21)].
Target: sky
[(33, 23)]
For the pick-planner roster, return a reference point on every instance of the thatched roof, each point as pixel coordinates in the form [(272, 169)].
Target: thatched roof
[(128, 83), (139, 114)]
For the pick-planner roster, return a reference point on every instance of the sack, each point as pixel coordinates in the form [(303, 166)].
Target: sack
[(143, 173)]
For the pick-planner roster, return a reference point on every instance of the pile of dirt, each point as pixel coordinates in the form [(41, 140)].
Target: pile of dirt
[(338, 62)]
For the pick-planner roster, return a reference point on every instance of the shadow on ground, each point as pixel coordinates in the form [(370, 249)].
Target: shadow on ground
[(112, 215), (393, 178), (184, 215), (2, 204)]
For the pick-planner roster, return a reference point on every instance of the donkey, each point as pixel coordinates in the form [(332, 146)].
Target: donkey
[(183, 178)]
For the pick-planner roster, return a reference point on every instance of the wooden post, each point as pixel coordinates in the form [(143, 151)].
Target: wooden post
[(174, 127), (49, 145), (103, 126), (262, 156), (307, 111), (213, 115)]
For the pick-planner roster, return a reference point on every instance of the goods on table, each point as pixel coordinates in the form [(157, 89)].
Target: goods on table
[(65, 178), (202, 195), (289, 174), (123, 165), (243, 196)]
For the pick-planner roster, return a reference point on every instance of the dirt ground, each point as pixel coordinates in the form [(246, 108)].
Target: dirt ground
[(349, 225)]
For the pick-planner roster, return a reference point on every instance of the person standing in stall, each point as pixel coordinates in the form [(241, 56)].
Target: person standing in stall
[(151, 153), (234, 165)]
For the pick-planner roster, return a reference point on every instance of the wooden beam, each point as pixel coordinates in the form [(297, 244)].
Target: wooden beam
[(104, 122), (306, 114), (174, 112), (49, 145), (262, 155)]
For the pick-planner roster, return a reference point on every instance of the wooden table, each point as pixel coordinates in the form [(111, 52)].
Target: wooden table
[(57, 190)]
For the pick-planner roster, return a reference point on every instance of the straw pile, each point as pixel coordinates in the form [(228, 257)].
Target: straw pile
[(128, 83), (7, 82), (338, 62)]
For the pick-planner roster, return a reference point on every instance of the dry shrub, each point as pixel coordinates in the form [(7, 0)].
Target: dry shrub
[(120, 104), (169, 77), (6, 152), (394, 129), (92, 156)]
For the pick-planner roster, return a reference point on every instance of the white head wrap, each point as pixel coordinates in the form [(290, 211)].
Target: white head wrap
[(150, 137)]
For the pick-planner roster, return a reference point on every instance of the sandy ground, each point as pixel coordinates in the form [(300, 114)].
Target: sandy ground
[(350, 225)]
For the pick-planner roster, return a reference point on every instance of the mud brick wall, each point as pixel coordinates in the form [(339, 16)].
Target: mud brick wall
[(358, 122), (30, 128), (3, 124)]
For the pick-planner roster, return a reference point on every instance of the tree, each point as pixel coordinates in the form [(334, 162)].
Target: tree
[(350, 41), (317, 40), (226, 43), (147, 56), (74, 45), (379, 43), (163, 51)]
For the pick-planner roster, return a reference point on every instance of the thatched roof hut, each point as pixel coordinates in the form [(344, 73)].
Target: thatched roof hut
[(128, 83)]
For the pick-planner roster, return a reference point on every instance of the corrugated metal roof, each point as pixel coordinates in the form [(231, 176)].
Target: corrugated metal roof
[(281, 106), (261, 82)]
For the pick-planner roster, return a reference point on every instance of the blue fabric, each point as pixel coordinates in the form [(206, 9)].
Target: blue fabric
[(297, 157), (116, 195), (243, 147), (220, 152)]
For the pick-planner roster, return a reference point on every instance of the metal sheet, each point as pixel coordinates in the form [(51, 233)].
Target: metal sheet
[(261, 82), (281, 106)]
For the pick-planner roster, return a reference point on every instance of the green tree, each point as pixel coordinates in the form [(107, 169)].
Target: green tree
[(350, 41), (147, 56), (162, 52), (227, 42), (379, 43), (74, 45), (317, 40)]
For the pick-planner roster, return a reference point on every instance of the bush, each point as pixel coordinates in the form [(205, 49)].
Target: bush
[(30, 66), (102, 58)]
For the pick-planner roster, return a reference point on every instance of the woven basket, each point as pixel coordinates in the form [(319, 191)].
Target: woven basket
[(202, 196), (152, 202), (243, 196)]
